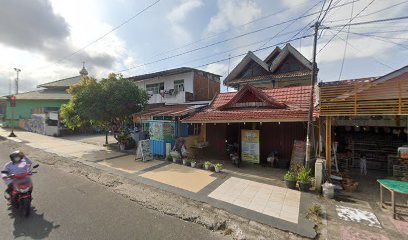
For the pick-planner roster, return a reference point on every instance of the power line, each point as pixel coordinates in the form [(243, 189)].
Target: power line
[(369, 14), (293, 23), (345, 46), (228, 39), (239, 55), (106, 34), (359, 50), (343, 26), (369, 22), (229, 30)]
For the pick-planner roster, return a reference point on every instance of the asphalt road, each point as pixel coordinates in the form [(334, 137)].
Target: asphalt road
[(67, 206)]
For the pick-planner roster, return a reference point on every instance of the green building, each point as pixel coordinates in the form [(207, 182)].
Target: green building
[(48, 98)]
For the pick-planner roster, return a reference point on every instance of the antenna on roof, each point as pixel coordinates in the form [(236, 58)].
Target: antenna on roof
[(229, 62)]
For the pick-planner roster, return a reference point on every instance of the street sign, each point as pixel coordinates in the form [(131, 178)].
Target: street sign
[(12, 101)]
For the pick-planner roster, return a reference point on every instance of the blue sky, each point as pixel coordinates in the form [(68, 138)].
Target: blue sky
[(39, 39)]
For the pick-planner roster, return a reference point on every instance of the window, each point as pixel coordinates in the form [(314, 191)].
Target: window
[(194, 129), (155, 88), (178, 86)]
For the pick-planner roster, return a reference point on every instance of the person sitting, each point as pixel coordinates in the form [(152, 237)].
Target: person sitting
[(19, 163), (179, 145)]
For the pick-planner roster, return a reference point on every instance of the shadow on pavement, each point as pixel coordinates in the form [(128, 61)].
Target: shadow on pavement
[(35, 226)]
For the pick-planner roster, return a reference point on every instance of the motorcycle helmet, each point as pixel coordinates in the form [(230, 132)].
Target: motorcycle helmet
[(16, 156)]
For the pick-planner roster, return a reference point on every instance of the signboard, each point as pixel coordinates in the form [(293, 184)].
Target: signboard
[(298, 154), (161, 130), (250, 146), (143, 151)]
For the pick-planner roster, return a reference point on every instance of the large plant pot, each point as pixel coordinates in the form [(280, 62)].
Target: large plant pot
[(192, 164), (290, 184), (304, 187), (206, 167), (217, 169), (184, 161), (122, 147)]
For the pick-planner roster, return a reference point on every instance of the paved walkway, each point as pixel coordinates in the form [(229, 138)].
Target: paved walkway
[(256, 200)]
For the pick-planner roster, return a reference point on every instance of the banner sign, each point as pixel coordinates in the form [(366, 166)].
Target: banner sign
[(250, 146)]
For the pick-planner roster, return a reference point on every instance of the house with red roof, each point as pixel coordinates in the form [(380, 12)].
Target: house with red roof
[(277, 117), (267, 114)]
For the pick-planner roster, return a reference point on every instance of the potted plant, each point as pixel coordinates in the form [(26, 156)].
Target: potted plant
[(176, 159), (193, 163), (207, 165), (199, 165), (290, 179), (218, 167), (186, 162), (169, 158), (304, 179)]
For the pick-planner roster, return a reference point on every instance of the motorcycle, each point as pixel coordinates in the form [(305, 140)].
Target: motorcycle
[(232, 152), (22, 187)]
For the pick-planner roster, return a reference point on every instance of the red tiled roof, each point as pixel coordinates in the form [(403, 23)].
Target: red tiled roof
[(257, 93), (295, 98), (273, 76)]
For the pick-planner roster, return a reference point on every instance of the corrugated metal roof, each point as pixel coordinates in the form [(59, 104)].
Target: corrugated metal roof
[(44, 94), (66, 82), (167, 73), (178, 110)]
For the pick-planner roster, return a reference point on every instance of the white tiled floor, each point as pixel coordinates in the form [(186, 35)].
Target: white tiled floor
[(267, 199)]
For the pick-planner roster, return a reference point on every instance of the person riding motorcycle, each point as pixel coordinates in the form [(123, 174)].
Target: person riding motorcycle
[(19, 163)]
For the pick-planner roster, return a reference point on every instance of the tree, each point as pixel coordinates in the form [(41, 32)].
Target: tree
[(104, 104)]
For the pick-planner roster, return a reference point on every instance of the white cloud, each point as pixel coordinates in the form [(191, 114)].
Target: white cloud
[(294, 3), (178, 15), (218, 68), (233, 13)]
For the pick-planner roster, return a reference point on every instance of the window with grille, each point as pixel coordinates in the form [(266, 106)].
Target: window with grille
[(178, 86), (155, 88)]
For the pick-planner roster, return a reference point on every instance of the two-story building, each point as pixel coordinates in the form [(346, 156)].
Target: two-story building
[(267, 114), (178, 86), (174, 95)]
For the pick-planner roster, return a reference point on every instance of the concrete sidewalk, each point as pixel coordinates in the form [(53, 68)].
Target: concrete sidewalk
[(244, 196)]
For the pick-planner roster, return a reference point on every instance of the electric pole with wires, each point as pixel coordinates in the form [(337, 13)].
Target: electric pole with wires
[(311, 104)]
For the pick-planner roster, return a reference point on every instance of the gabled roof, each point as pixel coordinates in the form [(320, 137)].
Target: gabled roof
[(256, 93), (296, 100), (288, 49), (250, 57), (62, 83), (270, 64), (273, 55)]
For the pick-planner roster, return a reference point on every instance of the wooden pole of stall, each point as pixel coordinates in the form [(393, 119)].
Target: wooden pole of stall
[(328, 145)]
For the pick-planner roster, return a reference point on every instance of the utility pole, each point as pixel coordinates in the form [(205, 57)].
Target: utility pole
[(311, 104), (17, 71)]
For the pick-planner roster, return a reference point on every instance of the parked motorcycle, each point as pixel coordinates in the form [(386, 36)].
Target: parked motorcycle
[(22, 188), (232, 152)]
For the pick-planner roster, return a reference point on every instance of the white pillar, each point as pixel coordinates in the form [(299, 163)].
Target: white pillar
[(319, 174)]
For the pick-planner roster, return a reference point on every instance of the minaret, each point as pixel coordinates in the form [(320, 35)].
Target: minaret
[(83, 71)]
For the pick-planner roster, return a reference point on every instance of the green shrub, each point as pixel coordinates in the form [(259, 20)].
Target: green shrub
[(304, 175), (290, 176)]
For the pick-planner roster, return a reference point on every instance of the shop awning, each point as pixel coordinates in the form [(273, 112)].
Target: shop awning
[(167, 112)]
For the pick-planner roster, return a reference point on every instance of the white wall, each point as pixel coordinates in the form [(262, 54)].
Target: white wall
[(169, 81), (169, 84)]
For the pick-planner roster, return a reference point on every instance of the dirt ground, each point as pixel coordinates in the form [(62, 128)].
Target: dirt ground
[(212, 218)]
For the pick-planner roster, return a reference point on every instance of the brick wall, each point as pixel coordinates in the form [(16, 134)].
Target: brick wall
[(205, 88)]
